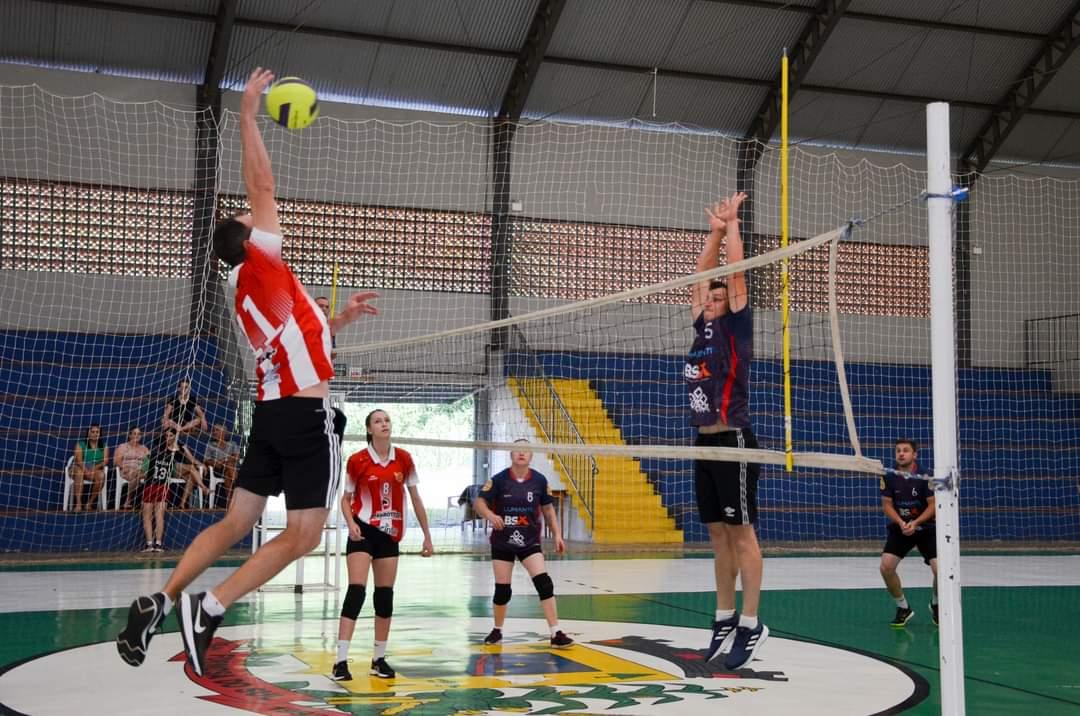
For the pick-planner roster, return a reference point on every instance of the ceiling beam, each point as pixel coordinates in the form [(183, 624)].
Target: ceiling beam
[(549, 59), (217, 57), (1024, 91), (806, 49), (529, 58)]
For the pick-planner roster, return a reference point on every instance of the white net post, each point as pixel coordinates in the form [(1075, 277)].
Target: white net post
[(943, 376)]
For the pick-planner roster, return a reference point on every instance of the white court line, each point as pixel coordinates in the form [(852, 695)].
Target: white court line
[(417, 577)]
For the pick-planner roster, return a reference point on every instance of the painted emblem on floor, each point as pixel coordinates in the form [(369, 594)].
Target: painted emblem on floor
[(614, 668)]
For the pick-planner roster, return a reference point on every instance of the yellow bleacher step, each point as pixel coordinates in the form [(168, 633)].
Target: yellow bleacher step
[(625, 507)]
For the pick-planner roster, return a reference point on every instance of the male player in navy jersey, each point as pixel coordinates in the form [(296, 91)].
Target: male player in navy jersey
[(512, 502), (908, 502), (717, 375)]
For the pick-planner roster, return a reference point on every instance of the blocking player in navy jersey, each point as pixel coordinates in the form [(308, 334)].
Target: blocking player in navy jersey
[(717, 375), (512, 502), (908, 502)]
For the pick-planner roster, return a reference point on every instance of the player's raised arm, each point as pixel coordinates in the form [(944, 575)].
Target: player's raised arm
[(709, 258), (356, 307), (255, 160), (736, 282)]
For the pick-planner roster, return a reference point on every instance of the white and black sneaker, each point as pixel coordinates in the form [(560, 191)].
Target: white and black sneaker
[(494, 637), (747, 642), (380, 668), (341, 672), (561, 641), (197, 628), (723, 634), (144, 618)]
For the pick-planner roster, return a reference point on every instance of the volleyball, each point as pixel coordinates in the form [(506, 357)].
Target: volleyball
[(292, 103)]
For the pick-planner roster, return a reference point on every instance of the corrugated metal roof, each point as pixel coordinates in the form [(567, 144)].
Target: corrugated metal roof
[(734, 46), (1061, 92), (910, 60), (494, 24), (1043, 138), (1028, 16), (112, 42)]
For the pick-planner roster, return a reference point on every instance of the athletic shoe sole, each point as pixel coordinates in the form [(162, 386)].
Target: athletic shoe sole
[(132, 644)]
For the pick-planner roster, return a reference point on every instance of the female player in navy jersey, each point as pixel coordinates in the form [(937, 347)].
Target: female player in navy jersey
[(376, 513), (512, 502)]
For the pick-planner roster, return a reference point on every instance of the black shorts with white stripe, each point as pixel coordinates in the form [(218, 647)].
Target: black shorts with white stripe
[(292, 447), (726, 491)]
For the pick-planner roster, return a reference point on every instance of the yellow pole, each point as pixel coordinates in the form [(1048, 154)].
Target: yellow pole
[(785, 232), (333, 291)]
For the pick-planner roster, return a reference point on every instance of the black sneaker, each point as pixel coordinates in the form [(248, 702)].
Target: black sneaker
[(149, 547), (747, 642), (903, 616), (197, 628), (933, 612), (158, 547), (144, 618), (380, 668), (341, 672), (494, 637), (723, 634), (561, 641)]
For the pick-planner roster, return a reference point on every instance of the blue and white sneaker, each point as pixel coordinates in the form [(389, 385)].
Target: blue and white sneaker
[(747, 642), (723, 634)]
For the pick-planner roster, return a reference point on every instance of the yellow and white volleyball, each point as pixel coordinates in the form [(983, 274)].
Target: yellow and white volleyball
[(292, 103)]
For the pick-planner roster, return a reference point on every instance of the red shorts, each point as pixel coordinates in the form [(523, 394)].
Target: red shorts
[(154, 492)]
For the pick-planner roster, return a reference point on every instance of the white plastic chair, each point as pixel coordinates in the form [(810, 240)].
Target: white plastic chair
[(69, 484), (215, 481), (451, 504)]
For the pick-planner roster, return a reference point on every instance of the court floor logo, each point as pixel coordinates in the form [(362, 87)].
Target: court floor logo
[(614, 668)]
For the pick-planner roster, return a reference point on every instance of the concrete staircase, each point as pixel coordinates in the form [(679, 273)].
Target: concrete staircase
[(623, 504)]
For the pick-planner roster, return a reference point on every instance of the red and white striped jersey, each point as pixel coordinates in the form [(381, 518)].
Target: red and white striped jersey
[(286, 329), (379, 489)]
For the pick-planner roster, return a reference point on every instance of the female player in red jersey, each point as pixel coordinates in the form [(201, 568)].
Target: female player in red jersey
[(376, 513)]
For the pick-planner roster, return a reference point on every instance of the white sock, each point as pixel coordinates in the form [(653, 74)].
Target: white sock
[(901, 602), (379, 651), (168, 602), (722, 614), (748, 622), (342, 649), (212, 606), (554, 628)]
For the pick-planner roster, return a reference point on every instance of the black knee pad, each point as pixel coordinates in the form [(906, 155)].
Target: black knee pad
[(354, 599), (502, 594), (384, 602), (545, 588)]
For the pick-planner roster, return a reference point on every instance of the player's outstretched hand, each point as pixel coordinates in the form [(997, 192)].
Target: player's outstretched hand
[(560, 545), (257, 83), (716, 223), (358, 305), (427, 550)]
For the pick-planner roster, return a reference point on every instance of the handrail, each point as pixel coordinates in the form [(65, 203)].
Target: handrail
[(584, 486)]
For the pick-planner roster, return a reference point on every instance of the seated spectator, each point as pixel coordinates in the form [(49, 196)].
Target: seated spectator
[(222, 455), (182, 413), (91, 457), (130, 459)]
